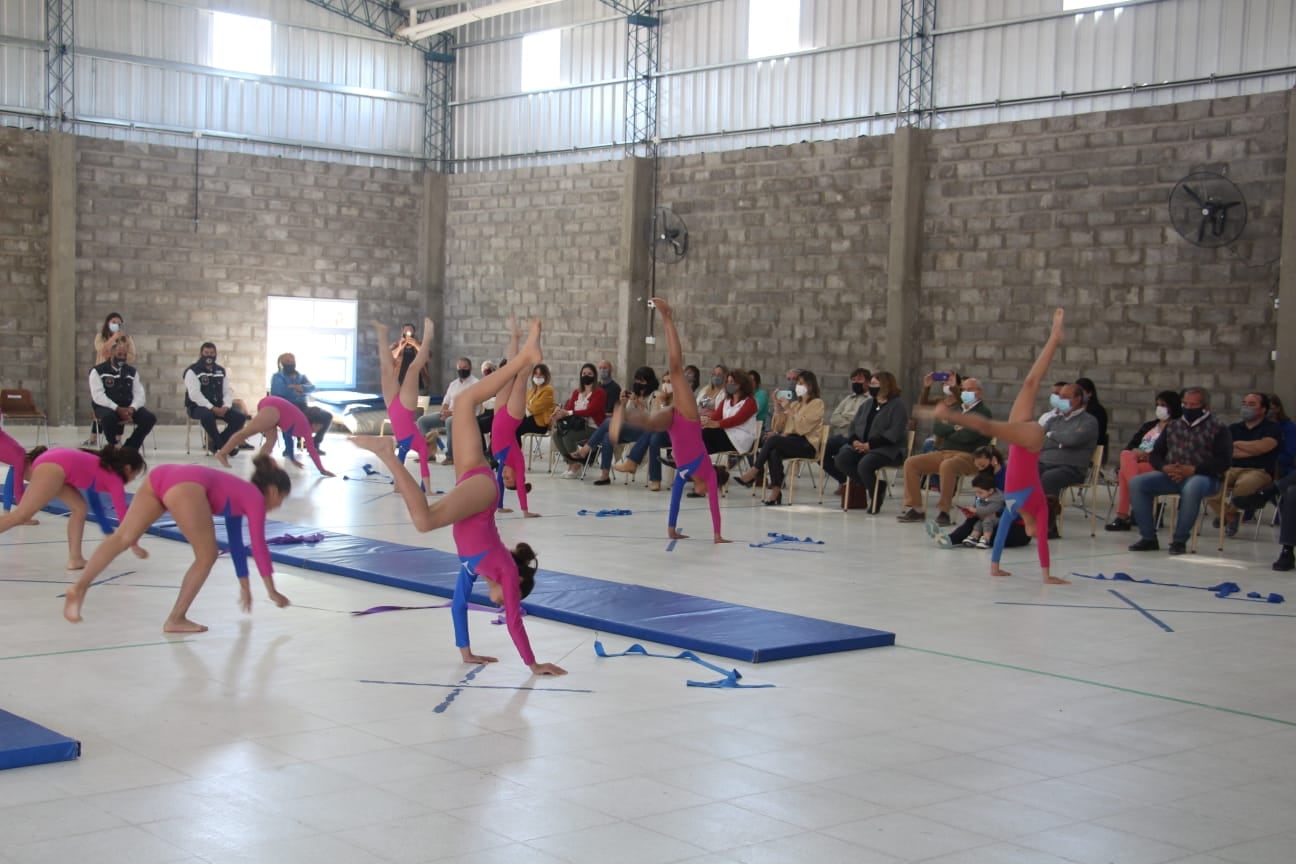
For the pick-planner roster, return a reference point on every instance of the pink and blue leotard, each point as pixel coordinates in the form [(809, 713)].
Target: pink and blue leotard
[(1023, 494), (13, 455), (228, 496), (408, 437), (293, 424), (83, 471), (691, 460), (483, 553), (507, 451)]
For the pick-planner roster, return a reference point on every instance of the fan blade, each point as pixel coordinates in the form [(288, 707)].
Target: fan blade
[(1193, 195), (1228, 205), (1201, 229)]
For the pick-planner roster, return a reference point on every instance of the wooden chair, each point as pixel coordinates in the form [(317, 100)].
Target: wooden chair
[(17, 404), (793, 466), (1078, 493), (721, 457)]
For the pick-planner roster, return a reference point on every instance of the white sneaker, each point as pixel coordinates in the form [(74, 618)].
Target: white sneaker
[(570, 475)]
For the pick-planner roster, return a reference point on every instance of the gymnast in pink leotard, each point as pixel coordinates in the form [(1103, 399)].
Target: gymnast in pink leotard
[(1023, 495), (194, 495), (19, 461), (275, 414), (681, 421), (506, 445), (401, 396), (470, 508), (73, 476)]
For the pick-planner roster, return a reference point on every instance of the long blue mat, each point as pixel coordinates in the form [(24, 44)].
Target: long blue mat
[(636, 611), (23, 742)]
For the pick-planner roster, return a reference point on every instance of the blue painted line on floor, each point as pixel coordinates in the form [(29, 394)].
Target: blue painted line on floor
[(1126, 609), (104, 580), (1145, 613), (781, 548), (462, 686), (670, 547)]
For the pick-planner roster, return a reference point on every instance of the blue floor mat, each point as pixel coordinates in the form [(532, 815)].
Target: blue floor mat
[(23, 742)]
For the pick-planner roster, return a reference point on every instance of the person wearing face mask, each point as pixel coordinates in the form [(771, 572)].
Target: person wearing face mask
[(1256, 445), (797, 424), (611, 389), (1189, 460), (112, 334), (1136, 458), (403, 352), (877, 437), (952, 460), (709, 396), (761, 396), (578, 418), (1057, 391), (643, 396), (648, 444), (540, 403), (291, 384), (839, 422), (118, 398), (443, 417), (1096, 408), (210, 398), (1069, 440)]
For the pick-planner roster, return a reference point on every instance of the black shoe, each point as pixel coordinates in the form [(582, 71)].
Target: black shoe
[(1249, 502), (1286, 561), (741, 482), (1120, 523), (246, 446), (606, 481), (1177, 548), (775, 501), (1053, 533), (1144, 545), (695, 495), (319, 451), (911, 515), (943, 520)]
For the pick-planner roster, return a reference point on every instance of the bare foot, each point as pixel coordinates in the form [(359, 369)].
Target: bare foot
[(1054, 580), (72, 604), (327, 474), (995, 571), (279, 600), (675, 535), (504, 510), (720, 539), (139, 552), (529, 515), (77, 563), (298, 463), (184, 625), (379, 444), (32, 522), (223, 458)]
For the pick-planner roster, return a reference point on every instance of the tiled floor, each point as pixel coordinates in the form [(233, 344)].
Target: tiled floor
[(1012, 724)]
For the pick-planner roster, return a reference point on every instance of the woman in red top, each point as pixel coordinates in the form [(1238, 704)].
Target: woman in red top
[(578, 418), (729, 426)]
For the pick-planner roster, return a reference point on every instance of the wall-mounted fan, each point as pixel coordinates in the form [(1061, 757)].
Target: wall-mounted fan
[(1208, 209), (669, 236)]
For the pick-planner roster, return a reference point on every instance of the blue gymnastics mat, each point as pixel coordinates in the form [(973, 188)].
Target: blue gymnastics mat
[(635, 611), (23, 742)]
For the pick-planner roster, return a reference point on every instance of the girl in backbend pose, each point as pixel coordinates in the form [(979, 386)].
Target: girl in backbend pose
[(273, 414), (682, 422), (194, 494), (506, 444), (64, 474), (1022, 492), (470, 508), (401, 396)]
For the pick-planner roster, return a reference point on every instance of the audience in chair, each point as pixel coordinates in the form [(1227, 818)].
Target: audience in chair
[(290, 384), (210, 398), (953, 460), (641, 394), (1070, 436), (1256, 445), (1136, 458), (540, 403), (118, 397), (877, 437), (839, 422), (797, 425), (578, 418)]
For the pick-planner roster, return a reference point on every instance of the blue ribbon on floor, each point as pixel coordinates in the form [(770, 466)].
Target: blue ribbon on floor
[(290, 539), (475, 607), (1223, 590), (777, 538), (603, 512), (730, 679)]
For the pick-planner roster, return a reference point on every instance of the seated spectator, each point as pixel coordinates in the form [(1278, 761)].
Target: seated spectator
[(1070, 436), (692, 375), (486, 416), (584, 410), (1189, 460), (1256, 441), (730, 427), (1136, 458), (540, 403), (112, 333), (839, 422), (1094, 407), (444, 415), (1287, 450), (210, 398), (762, 398), (797, 426), (952, 461), (951, 385), (118, 398), (876, 438), (641, 394), (649, 444), (710, 395), (292, 385), (611, 389)]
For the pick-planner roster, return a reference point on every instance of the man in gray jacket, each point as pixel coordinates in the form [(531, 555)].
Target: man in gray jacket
[(1070, 435)]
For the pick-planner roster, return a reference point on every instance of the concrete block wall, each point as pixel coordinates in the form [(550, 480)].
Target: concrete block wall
[(787, 258), (534, 241), (24, 259), (265, 226), (1072, 211)]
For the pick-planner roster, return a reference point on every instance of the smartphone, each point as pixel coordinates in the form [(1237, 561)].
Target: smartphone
[(785, 395), (940, 376)]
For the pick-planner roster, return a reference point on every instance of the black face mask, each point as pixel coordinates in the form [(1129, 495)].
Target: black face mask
[(290, 368), (641, 388), (857, 387), (463, 374), (586, 380), (1192, 415), (208, 361), (873, 391)]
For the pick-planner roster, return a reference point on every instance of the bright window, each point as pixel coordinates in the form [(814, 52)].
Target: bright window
[(320, 333), (773, 27), (240, 43), (541, 56)]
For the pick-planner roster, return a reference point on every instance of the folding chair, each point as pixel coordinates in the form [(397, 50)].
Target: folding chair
[(17, 404), (793, 466), (722, 457), (882, 475), (1078, 490)]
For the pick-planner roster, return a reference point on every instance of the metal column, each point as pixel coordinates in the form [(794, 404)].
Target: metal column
[(642, 56), (59, 53), (916, 98), (438, 116)]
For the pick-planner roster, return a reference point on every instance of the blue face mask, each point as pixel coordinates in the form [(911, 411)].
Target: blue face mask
[(968, 397), (1063, 405)]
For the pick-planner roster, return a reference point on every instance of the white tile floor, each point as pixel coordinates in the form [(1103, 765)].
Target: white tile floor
[(992, 733)]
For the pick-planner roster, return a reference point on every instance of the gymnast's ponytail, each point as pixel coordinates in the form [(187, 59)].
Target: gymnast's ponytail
[(525, 557), (33, 453), (268, 474), (119, 459)]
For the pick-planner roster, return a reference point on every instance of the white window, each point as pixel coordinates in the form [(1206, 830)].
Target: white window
[(541, 60), (240, 43), (773, 27), (321, 334)]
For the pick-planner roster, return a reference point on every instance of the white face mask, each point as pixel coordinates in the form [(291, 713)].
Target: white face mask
[(114, 327), (538, 381), (666, 388), (801, 389), (1162, 412)]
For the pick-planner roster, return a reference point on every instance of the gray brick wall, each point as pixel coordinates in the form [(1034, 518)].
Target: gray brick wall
[(534, 241), (1072, 211), (24, 260), (787, 257), (265, 226)]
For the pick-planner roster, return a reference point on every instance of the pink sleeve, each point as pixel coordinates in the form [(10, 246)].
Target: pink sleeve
[(112, 484), (513, 614), (256, 518)]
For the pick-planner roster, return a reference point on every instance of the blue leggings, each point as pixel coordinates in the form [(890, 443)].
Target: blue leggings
[(705, 471)]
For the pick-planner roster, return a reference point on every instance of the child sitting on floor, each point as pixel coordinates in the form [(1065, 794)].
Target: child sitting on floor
[(988, 505)]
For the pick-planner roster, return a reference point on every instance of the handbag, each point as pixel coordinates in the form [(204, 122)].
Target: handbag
[(571, 423)]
